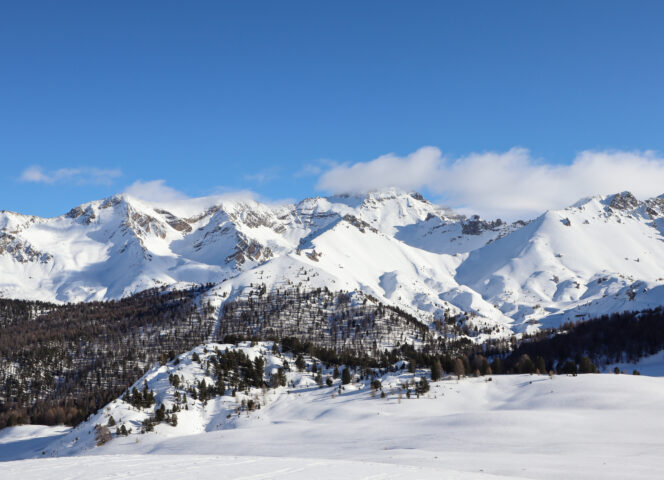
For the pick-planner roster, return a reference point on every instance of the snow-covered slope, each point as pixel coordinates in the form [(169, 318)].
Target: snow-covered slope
[(600, 255), (518, 426)]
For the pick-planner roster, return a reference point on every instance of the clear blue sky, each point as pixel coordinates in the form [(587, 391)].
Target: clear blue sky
[(214, 95)]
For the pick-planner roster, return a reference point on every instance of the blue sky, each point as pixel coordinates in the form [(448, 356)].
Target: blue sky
[(289, 99)]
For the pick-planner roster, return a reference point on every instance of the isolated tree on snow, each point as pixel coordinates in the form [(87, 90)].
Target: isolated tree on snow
[(102, 435), (422, 386), (586, 366), (459, 369), (345, 376), (300, 363), (436, 370)]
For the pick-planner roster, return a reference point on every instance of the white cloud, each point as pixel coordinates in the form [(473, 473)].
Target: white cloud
[(79, 176), (411, 172), (509, 184), (155, 191), (178, 203)]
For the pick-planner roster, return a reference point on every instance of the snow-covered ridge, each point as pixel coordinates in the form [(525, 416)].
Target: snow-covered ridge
[(602, 254)]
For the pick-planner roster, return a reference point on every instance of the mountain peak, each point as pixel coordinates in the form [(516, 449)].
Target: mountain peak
[(624, 201)]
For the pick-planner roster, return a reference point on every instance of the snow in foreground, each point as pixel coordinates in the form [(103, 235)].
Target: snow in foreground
[(522, 426), (204, 467)]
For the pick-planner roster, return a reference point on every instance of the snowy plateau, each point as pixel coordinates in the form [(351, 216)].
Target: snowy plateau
[(389, 253)]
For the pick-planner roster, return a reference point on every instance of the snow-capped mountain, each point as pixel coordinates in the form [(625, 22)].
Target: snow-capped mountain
[(600, 255)]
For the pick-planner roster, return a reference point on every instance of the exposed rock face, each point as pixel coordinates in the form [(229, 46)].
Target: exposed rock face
[(111, 202), (418, 196), (21, 251), (361, 225), (655, 207), (248, 249), (624, 201), (144, 224), (177, 223), (87, 214), (475, 225)]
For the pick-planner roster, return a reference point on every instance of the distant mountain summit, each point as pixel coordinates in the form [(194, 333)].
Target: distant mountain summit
[(603, 254)]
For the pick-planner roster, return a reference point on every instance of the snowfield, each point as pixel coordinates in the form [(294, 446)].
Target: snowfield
[(516, 426), (214, 467)]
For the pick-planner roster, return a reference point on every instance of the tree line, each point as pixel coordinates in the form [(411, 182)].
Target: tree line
[(61, 363)]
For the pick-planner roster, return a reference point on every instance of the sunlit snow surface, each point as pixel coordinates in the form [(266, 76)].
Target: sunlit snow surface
[(213, 467), (601, 255), (519, 426)]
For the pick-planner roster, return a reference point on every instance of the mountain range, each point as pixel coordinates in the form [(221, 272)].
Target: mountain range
[(601, 255)]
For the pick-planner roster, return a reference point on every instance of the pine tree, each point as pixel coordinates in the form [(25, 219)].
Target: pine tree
[(436, 370), (497, 366), (278, 379), (345, 376), (102, 435), (160, 414), (459, 369), (203, 393), (300, 363), (540, 364), (221, 386), (586, 366), (422, 386), (525, 364)]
